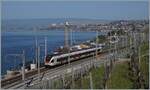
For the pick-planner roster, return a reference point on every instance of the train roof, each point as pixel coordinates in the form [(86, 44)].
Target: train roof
[(73, 53)]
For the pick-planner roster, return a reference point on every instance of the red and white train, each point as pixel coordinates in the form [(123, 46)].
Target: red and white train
[(53, 60)]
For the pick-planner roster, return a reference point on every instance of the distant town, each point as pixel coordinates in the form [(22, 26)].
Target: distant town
[(114, 25)]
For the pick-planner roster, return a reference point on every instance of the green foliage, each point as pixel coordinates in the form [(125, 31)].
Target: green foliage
[(101, 39), (144, 65), (111, 33), (85, 82), (146, 29), (97, 77), (145, 69), (145, 48), (118, 32), (119, 77)]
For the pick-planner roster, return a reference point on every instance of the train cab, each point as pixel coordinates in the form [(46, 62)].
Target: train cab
[(48, 58)]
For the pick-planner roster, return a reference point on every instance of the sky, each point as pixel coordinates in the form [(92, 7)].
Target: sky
[(108, 10)]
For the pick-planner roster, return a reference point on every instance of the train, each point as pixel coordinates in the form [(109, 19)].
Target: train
[(59, 59)]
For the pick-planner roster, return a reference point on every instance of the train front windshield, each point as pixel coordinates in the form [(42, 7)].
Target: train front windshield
[(48, 58)]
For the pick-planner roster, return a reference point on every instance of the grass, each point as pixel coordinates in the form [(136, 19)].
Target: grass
[(97, 76), (119, 77), (82, 82), (145, 69), (144, 48), (144, 65)]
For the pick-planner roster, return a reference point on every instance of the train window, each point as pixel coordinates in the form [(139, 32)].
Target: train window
[(52, 61), (48, 57), (60, 59)]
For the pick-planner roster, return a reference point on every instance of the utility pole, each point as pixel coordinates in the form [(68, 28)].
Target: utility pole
[(115, 52), (36, 48), (66, 35), (39, 63), (45, 46), (96, 44), (127, 41), (70, 37), (23, 62), (67, 46), (22, 56), (70, 43), (109, 44), (131, 39), (36, 52), (139, 55)]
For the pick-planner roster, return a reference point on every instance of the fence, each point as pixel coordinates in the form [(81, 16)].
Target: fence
[(69, 76)]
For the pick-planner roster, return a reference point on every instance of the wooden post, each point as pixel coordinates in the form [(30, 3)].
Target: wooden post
[(91, 81), (73, 79), (63, 81)]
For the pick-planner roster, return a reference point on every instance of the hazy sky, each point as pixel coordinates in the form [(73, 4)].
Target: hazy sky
[(109, 10)]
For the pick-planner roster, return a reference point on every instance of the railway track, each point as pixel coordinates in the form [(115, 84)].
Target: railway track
[(9, 82), (18, 77)]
